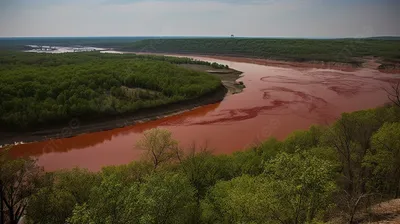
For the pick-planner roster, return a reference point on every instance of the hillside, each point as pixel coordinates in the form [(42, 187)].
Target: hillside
[(327, 174)]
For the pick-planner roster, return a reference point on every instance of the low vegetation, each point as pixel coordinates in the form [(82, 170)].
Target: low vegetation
[(37, 90), (311, 177), (327, 50)]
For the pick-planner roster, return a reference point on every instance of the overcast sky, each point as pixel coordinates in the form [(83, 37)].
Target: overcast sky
[(263, 18)]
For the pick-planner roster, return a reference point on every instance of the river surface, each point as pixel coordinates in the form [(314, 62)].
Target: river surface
[(275, 102)]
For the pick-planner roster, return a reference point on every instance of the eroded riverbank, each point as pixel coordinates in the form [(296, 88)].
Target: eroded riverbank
[(275, 102), (76, 126)]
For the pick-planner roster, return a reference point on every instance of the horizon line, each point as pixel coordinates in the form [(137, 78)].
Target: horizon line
[(197, 36)]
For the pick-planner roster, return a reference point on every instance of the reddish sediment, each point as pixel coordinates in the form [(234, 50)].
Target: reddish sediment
[(291, 64), (279, 98)]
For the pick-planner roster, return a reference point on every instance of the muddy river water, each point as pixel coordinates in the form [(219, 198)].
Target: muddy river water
[(275, 102)]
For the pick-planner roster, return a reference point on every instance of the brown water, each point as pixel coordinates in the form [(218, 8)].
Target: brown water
[(276, 102)]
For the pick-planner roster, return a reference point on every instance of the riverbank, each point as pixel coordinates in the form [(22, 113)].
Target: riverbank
[(228, 76), (76, 127), (365, 62), (347, 51), (368, 62), (229, 86), (275, 102)]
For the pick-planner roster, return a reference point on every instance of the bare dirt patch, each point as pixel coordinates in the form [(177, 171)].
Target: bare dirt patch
[(388, 211)]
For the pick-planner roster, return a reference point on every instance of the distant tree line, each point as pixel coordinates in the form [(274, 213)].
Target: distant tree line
[(41, 89), (328, 50)]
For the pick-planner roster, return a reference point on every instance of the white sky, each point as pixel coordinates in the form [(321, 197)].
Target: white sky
[(268, 18)]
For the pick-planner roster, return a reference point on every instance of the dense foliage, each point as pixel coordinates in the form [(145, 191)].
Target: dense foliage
[(310, 177), (42, 89), (328, 50)]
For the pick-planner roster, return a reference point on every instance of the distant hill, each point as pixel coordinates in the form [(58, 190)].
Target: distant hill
[(385, 38), (347, 50), (18, 43), (342, 50)]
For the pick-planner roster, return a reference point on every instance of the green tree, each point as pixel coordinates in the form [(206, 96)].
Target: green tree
[(110, 202), (203, 170), (303, 139), (77, 182), (166, 198), (270, 148), (248, 162), (244, 199), (19, 179), (303, 186), (91, 85), (159, 146), (384, 160), (136, 171), (350, 138), (50, 205), (294, 188), (56, 199)]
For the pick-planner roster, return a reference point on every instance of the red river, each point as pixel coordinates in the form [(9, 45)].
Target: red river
[(275, 102)]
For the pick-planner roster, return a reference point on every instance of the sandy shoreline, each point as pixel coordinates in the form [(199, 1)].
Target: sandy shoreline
[(309, 65), (368, 61)]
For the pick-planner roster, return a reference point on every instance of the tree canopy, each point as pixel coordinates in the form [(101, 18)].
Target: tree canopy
[(46, 89)]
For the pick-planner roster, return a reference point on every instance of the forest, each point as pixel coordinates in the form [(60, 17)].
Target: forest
[(343, 50), (37, 90), (325, 174), (327, 50)]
